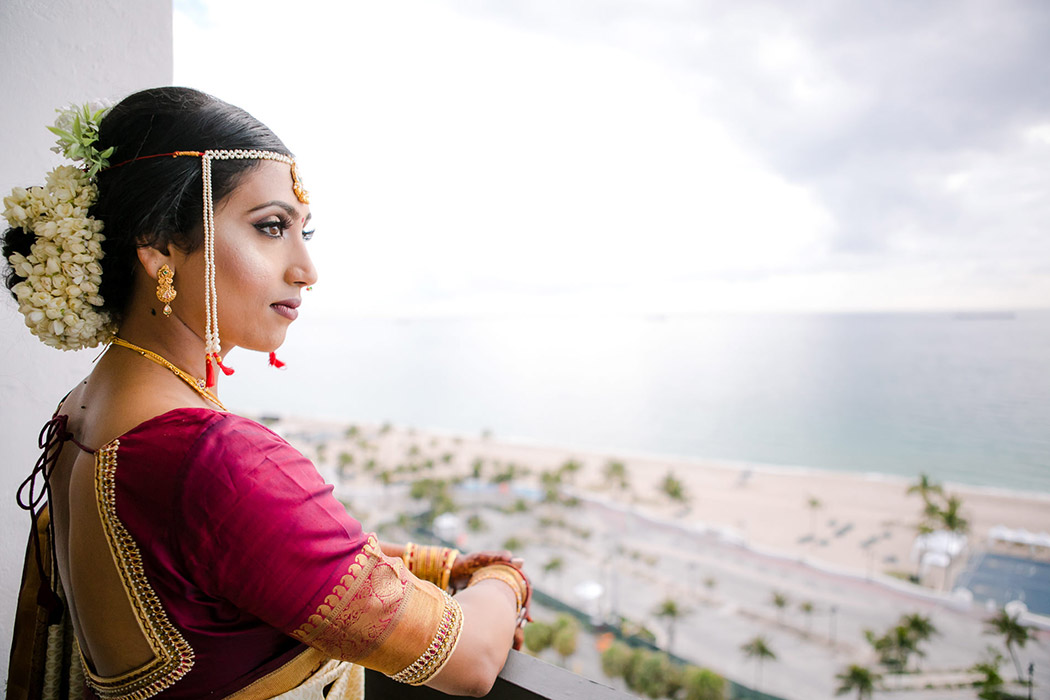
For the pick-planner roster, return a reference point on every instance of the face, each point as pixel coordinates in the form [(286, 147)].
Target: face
[(261, 261)]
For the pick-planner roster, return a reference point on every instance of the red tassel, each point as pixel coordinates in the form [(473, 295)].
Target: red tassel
[(209, 373), (225, 370), (274, 362)]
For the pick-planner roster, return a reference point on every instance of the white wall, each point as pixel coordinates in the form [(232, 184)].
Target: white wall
[(54, 52)]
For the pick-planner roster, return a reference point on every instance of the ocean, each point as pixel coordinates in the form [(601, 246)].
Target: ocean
[(964, 398)]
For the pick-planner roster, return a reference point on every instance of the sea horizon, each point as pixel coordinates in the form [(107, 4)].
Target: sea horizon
[(960, 396)]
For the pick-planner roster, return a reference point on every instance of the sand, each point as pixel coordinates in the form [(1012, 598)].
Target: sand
[(851, 522)]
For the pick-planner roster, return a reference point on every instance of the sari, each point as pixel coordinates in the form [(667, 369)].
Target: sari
[(247, 578)]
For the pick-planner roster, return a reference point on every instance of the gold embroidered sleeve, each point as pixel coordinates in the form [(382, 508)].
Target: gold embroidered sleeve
[(381, 616)]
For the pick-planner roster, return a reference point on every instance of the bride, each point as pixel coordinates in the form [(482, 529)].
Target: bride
[(191, 551)]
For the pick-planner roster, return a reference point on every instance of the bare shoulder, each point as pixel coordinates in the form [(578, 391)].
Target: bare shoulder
[(109, 403)]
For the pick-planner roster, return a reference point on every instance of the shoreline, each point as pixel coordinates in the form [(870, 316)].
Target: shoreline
[(865, 522), (685, 460)]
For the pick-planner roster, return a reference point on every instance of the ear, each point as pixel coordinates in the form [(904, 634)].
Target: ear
[(152, 259)]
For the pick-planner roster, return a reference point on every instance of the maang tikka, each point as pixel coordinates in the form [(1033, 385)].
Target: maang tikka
[(166, 287)]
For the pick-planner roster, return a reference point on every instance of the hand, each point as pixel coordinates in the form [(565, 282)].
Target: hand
[(523, 616), (466, 564)]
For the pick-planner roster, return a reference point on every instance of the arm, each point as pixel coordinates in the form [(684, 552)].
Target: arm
[(489, 623)]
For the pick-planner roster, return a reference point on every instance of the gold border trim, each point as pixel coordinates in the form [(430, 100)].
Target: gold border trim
[(173, 657)]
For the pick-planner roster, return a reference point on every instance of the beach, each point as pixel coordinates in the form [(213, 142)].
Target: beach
[(862, 523), (834, 548)]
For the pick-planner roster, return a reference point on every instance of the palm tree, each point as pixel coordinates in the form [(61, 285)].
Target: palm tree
[(951, 520), (616, 473), (554, 566), (1013, 633), (992, 684), (807, 609), (673, 488), (920, 627), (857, 678), (759, 650), (950, 517), (670, 611), (924, 487), (814, 505), (780, 602)]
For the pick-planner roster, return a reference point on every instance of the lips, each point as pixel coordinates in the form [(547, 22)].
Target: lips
[(289, 308)]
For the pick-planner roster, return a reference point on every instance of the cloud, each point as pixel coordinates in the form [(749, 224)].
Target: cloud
[(537, 154)]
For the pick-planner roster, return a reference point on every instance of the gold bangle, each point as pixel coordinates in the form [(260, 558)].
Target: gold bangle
[(446, 569), (437, 654), (508, 575), (406, 554)]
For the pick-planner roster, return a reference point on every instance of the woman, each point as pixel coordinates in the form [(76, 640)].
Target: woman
[(197, 552)]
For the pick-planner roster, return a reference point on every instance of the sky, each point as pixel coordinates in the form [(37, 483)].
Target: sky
[(654, 157)]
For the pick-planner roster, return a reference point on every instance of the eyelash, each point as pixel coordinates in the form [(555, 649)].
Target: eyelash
[(282, 223)]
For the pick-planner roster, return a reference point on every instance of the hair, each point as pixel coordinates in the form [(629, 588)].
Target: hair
[(158, 201)]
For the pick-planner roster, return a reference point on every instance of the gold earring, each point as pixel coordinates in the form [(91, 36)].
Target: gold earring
[(166, 287)]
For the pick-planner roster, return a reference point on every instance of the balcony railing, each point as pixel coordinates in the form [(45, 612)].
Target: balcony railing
[(523, 678)]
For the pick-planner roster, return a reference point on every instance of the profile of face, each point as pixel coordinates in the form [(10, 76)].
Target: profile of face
[(262, 262)]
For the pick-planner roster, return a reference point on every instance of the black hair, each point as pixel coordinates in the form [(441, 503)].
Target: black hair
[(158, 201)]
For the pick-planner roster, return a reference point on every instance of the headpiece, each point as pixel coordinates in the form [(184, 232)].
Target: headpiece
[(59, 295)]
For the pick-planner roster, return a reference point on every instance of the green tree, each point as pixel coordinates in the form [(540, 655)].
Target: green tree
[(570, 469), (476, 467), (921, 629), (893, 648), (950, 518), (566, 633), (925, 487), (758, 649), (513, 543), (673, 488), (351, 432), (631, 674), (554, 567), (475, 523), (1014, 634), (857, 678), (806, 608), (814, 504), (780, 602), (658, 677), (615, 660), (345, 460), (538, 636), (702, 684), (670, 612), (991, 685), (616, 473)]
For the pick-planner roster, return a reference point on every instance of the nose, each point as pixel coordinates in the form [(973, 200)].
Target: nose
[(301, 271)]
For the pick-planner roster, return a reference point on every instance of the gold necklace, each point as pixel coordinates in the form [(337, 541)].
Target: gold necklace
[(196, 384)]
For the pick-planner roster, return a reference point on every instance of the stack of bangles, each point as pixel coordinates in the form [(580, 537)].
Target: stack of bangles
[(510, 576), (432, 564)]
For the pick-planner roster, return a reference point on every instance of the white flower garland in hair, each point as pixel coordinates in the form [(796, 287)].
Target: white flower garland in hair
[(59, 294)]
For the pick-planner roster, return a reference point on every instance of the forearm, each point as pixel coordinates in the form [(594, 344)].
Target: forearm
[(391, 549), (489, 619)]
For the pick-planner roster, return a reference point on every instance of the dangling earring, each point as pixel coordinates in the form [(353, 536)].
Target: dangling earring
[(166, 288), (274, 362)]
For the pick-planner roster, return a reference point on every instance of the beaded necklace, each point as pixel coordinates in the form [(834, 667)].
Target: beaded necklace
[(196, 384)]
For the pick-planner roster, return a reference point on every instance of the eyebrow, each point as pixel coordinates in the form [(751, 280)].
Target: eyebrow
[(292, 211)]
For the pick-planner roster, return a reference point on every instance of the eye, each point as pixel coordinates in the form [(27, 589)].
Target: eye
[(274, 228), (307, 235)]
